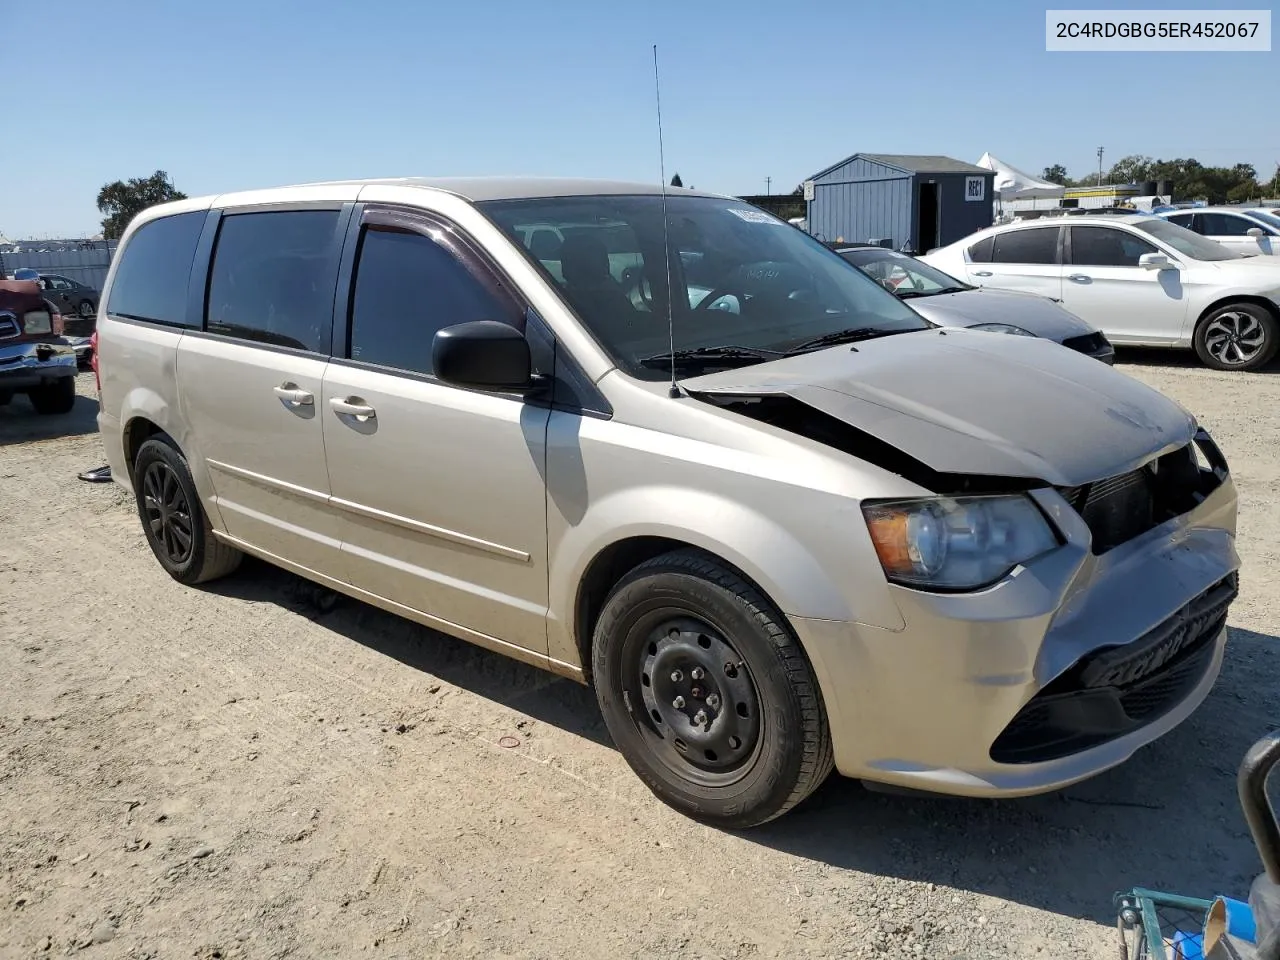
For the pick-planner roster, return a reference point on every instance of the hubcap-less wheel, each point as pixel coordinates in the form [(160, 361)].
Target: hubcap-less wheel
[(701, 710), (1234, 337), (168, 514)]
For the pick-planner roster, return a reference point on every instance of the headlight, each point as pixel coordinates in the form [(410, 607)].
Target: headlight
[(956, 543), (1002, 328)]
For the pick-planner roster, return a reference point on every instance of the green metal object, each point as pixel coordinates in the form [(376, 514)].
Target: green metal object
[(1154, 916)]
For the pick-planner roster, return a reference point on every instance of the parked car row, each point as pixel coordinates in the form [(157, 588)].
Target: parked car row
[(779, 518), (1140, 279)]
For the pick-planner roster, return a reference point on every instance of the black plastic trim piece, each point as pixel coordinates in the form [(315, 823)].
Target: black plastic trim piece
[(198, 281)]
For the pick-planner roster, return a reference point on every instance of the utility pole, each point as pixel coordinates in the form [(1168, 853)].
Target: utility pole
[(1099, 166), (767, 182)]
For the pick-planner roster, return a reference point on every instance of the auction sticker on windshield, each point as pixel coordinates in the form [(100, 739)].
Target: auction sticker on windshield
[(755, 216)]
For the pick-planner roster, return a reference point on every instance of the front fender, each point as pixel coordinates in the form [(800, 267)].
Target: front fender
[(801, 575)]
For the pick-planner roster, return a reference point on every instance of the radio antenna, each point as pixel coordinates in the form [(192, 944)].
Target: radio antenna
[(674, 390)]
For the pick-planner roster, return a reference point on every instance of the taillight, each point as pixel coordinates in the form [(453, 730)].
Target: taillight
[(59, 325), (93, 359)]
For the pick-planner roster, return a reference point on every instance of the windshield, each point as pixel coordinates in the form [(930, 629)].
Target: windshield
[(901, 274), (742, 278), (1185, 241)]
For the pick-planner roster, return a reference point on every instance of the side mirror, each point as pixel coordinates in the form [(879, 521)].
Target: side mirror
[(1256, 232), (1155, 261), (484, 354)]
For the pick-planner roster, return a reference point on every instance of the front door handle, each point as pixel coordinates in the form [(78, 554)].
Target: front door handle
[(352, 407), (1079, 278), (982, 273), (292, 395)]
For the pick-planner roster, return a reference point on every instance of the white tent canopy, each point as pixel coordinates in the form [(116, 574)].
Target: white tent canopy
[(1013, 184)]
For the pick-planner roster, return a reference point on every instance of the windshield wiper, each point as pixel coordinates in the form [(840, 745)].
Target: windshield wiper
[(712, 357), (842, 336), (933, 293)]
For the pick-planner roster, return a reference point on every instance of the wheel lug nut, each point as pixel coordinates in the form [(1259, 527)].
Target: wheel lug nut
[(696, 673), (713, 701), (676, 676), (678, 703), (700, 718)]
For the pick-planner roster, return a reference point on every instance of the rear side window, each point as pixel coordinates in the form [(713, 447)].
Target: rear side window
[(408, 286), (1038, 245), (151, 279), (1224, 225), (273, 278), (1106, 247), (1181, 219), (980, 252)]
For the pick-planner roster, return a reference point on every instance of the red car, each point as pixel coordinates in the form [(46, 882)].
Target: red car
[(34, 357)]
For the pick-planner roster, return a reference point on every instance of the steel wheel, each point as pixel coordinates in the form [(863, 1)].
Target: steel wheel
[(701, 713), (1234, 338), (168, 515)]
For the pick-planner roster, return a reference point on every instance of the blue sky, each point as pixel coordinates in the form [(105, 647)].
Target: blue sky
[(236, 94)]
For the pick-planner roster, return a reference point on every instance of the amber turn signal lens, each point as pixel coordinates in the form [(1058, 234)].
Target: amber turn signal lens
[(889, 535)]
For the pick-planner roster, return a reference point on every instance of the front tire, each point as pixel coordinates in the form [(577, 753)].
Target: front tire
[(707, 693), (86, 310), (173, 520), (54, 398), (1237, 336)]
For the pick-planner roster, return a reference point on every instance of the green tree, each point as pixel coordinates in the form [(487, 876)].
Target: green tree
[(121, 201), (676, 181), (1132, 169), (1056, 174)]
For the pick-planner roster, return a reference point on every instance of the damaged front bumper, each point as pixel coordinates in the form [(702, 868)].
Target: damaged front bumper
[(1058, 672), (28, 366)]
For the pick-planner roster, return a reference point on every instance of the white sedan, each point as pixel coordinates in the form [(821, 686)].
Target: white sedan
[(1139, 279), (1247, 230)]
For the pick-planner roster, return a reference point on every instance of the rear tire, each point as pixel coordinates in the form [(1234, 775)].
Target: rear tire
[(1237, 336), (173, 519), (54, 398), (707, 693)]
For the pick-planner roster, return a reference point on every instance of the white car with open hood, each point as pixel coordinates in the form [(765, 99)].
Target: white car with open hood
[(1140, 279)]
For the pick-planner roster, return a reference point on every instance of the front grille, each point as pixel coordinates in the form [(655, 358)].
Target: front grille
[(1118, 508), (1116, 690)]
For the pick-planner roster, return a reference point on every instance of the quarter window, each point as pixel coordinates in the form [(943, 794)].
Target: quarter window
[(1106, 247), (151, 278), (273, 278), (408, 286), (980, 252), (1224, 225), (1036, 245)]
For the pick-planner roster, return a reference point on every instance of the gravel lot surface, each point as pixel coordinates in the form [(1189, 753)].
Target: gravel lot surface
[(251, 770)]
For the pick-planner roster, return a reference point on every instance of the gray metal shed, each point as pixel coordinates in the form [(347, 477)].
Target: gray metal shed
[(909, 202)]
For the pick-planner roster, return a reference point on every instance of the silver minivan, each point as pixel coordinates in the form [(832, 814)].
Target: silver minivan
[(670, 446)]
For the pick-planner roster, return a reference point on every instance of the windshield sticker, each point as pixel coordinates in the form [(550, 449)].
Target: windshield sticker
[(754, 216)]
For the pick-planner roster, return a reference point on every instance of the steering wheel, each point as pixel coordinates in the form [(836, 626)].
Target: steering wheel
[(633, 285)]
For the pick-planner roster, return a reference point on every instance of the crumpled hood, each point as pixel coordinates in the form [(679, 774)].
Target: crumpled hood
[(967, 402), (1031, 312)]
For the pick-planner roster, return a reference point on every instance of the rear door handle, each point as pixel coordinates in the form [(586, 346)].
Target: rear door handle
[(1079, 278), (352, 407), (982, 273), (291, 394)]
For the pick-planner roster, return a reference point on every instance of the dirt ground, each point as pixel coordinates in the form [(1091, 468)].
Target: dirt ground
[(245, 771)]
